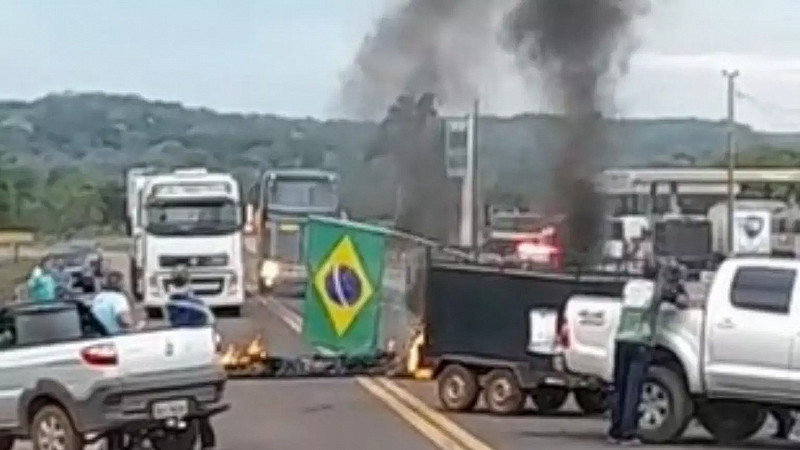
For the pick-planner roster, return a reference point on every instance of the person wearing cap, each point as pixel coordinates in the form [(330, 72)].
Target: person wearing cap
[(111, 307), (184, 309)]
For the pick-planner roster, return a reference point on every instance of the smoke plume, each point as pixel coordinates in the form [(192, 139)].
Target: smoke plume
[(423, 46), (582, 48)]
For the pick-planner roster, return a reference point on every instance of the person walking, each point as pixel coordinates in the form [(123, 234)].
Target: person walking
[(41, 284), (641, 303), (184, 309)]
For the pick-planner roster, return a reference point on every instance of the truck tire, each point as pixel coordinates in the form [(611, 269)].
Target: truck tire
[(51, 427), (502, 392), (7, 442), (177, 439), (666, 406), (591, 401), (457, 388), (549, 399), (730, 422)]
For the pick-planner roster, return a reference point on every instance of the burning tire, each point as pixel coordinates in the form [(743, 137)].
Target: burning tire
[(457, 388), (503, 394)]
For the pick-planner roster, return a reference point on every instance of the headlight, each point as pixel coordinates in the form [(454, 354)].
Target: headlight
[(217, 260), (270, 269)]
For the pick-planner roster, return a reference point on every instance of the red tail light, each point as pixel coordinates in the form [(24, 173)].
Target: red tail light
[(100, 355), (562, 338)]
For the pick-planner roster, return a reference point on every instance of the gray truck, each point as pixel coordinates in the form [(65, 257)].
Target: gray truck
[(65, 383), (726, 358)]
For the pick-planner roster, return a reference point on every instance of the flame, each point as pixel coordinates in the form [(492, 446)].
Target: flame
[(236, 358)]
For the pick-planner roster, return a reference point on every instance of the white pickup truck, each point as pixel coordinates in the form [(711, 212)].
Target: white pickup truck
[(725, 358)]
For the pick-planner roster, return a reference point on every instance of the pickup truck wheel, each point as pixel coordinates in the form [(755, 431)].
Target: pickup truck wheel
[(51, 428), (503, 394), (731, 422), (549, 399), (6, 442), (457, 388), (665, 408), (591, 401), (176, 439)]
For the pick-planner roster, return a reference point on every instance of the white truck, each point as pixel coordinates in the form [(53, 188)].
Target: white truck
[(191, 218), (725, 358)]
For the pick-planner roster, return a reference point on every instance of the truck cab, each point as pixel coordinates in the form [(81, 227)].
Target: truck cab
[(192, 218), (726, 357)]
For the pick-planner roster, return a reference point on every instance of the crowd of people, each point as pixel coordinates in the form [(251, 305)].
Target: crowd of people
[(112, 308)]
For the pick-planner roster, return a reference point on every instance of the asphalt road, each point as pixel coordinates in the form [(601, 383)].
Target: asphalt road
[(350, 414)]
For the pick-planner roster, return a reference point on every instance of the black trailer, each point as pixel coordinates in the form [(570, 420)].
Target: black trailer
[(480, 337)]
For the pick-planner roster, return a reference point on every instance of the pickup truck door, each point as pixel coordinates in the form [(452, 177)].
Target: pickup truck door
[(591, 323), (750, 331)]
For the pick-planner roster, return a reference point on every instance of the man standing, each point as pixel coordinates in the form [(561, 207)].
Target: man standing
[(184, 309), (111, 306), (635, 337)]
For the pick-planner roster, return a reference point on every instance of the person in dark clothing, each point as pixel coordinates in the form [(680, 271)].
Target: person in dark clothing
[(184, 309), (786, 422), (635, 338)]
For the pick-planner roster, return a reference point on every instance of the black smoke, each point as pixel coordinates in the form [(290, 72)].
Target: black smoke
[(581, 48)]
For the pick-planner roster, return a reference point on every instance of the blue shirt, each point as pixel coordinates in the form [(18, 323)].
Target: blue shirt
[(41, 286), (107, 306), (186, 310)]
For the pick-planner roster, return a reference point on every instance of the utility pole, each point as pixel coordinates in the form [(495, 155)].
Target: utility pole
[(731, 153), (475, 179)]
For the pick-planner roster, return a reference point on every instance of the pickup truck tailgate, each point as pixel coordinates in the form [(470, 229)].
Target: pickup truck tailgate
[(591, 324), (165, 350)]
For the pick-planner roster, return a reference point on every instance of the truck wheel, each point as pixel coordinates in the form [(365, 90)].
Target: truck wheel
[(457, 388), (591, 401), (549, 399), (6, 442), (731, 422), (52, 428), (176, 439), (665, 408), (503, 394)]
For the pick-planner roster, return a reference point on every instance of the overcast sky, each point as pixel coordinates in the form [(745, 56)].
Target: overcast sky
[(288, 56)]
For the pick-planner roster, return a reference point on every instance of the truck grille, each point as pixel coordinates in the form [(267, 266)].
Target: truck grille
[(194, 261), (202, 286)]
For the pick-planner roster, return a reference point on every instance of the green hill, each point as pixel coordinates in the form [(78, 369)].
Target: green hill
[(100, 135)]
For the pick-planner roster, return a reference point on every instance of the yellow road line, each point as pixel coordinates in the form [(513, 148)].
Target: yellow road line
[(433, 425), (427, 429), (433, 416)]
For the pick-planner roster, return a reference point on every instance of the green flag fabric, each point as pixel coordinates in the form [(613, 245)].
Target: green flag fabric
[(343, 297)]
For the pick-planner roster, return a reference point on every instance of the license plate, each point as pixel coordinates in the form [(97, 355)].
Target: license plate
[(173, 409)]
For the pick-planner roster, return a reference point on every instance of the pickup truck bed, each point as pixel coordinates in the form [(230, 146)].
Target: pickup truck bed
[(59, 356)]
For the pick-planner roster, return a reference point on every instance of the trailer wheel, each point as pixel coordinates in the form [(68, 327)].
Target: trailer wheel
[(731, 422), (503, 394), (549, 399), (591, 401), (457, 387)]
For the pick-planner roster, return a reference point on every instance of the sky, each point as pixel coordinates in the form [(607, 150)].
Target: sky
[(289, 56)]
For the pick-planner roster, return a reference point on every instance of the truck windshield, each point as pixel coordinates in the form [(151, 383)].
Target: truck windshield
[(181, 217), (299, 193)]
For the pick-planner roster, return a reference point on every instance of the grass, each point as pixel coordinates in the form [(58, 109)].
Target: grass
[(12, 274)]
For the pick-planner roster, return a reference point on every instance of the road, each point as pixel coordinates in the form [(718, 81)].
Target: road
[(374, 413)]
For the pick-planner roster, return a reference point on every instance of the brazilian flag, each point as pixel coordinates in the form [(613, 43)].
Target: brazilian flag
[(342, 304)]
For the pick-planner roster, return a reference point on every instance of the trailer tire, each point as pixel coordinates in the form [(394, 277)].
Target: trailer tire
[(730, 422), (503, 393), (591, 401), (666, 406), (549, 399), (457, 388)]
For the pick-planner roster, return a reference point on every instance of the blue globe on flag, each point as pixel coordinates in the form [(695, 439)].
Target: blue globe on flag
[(343, 285)]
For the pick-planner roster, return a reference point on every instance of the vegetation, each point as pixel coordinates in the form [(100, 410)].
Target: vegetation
[(62, 157)]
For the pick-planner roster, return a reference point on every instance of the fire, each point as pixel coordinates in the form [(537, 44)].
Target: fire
[(244, 357)]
